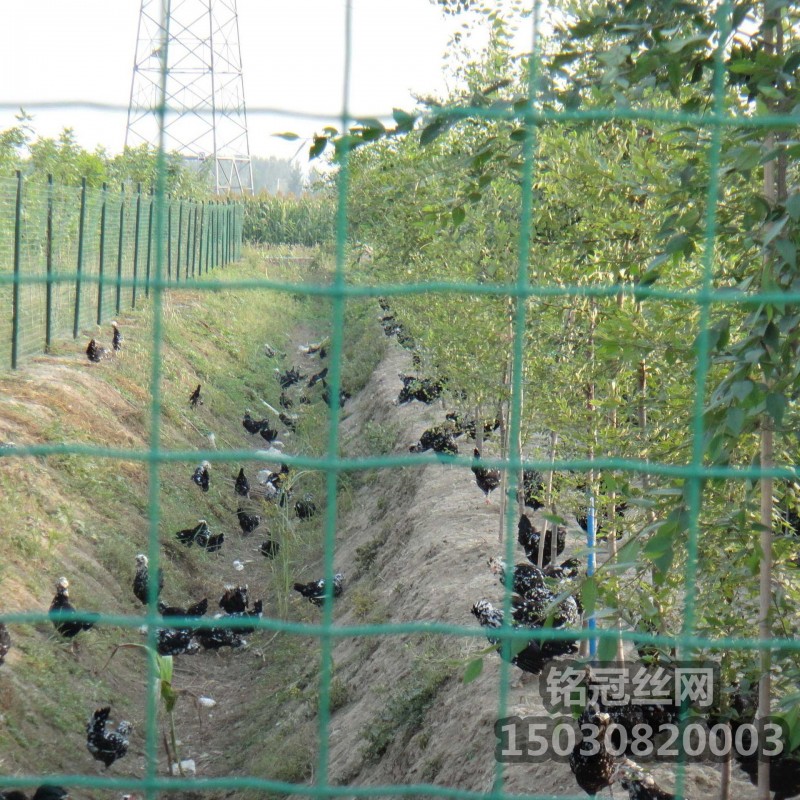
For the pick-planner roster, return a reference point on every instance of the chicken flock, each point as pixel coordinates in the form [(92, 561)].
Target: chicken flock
[(107, 741)]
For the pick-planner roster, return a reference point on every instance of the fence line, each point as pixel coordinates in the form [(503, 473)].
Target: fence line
[(103, 240)]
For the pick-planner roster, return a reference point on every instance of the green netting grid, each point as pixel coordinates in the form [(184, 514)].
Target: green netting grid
[(332, 465)]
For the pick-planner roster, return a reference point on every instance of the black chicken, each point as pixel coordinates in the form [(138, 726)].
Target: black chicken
[(247, 522), (463, 426), (285, 401), (269, 548), (531, 658), (315, 379), (590, 762), (106, 746), (210, 542), (439, 439), (529, 538), (268, 434), (95, 353), (288, 421), (44, 792), (242, 485), (289, 378), (188, 535), (202, 477), (487, 479), (315, 590), (784, 769), (61, 605), (194, 398), (254, 613), (306, 507), (5, 642), (426, 390), (116, 337), (234, 600), (141, 579), (215, 638), (198, 609), (344, 395), (533, 489), (252, 425)]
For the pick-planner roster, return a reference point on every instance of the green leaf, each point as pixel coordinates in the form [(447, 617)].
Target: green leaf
[(607, 649), (434, 129), (589, 595), (459, 215), (405, 121), (793, 207), (787, 251), (288, 135), (473, 670), (734, 420), (776, 406)]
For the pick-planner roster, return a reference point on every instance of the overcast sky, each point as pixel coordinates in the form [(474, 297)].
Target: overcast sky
[(292, 53)]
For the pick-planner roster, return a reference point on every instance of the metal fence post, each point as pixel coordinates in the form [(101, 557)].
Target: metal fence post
[(15, 309), (76, 324), (137, 227), (169, 238), (48, 319), (202, 237), (194, 237), (102, 258), (188, 237), (180, 235), (120, 247), (149, 244)]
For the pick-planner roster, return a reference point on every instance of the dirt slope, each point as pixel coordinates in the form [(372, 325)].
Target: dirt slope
[(435, 535)]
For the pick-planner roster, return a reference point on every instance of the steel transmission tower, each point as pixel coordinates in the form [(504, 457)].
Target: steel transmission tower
[(205, 115)]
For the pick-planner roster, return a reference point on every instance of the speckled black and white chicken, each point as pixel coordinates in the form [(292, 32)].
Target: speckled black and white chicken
[(104, 744), (289, 377), (202, 476), (314, 591), (638, 783), (95, 353), (440, 439), (590, 762), (529, 538), (142, 577), (305, 508), (176, 642), (270, 548), (216, 638), (530, 659), (194, 398)]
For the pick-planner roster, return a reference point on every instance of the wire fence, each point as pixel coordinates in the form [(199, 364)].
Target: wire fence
[(81, 256)]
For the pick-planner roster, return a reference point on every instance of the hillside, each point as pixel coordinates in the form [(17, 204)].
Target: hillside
[(412, 542)]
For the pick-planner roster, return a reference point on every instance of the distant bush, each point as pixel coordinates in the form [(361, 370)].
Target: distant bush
[(277, 219)]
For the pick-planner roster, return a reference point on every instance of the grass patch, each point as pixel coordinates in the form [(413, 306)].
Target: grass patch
[(405, 711)]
